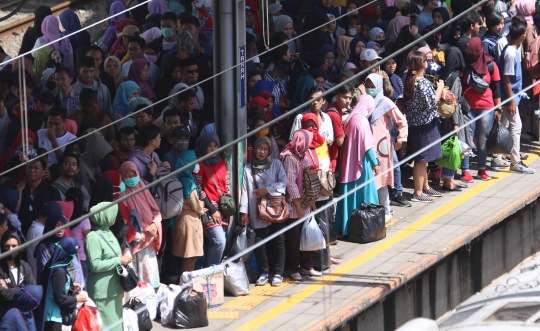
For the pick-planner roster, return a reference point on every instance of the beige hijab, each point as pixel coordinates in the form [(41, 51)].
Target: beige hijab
[(343, 49)]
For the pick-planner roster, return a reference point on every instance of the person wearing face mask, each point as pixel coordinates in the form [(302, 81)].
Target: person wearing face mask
[(256, 122), (152, 53), (382, 121), (60, 292), (180, 136), (145, 262), (14, 272)]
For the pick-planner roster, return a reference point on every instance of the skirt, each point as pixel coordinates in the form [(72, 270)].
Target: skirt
[(420, 137), (110, 311)]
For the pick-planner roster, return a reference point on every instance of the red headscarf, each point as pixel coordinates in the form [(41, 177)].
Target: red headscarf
[(266, 95), (318, 140), (259, 101), (476, 56)]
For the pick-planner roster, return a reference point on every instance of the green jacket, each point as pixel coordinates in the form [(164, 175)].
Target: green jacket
[(103, 280)]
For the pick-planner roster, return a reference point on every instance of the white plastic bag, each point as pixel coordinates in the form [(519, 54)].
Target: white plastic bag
[(465, 148), (236, 279), (131, 321), (147, 296), (167, 305), (312, 238), (162, 294)]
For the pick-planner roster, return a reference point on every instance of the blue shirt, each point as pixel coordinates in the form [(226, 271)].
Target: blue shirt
[(510, 65), (423, 20)]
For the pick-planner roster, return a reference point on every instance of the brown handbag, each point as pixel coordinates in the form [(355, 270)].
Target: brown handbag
[(269, 208)]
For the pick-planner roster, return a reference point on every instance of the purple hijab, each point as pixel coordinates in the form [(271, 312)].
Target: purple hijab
[(50, 27), (156, 7), (135, 75), (116, 7)]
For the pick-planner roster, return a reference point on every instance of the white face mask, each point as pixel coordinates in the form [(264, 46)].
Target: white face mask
[(352, 32), (196, 169)]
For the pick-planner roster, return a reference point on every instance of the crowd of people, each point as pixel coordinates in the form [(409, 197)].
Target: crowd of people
[(143, 72)]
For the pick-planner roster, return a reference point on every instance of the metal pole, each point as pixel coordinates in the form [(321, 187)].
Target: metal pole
[(225, 85), (241, 74)]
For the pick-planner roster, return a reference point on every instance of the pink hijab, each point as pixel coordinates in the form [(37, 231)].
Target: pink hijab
[(359, 140), (395, 26), (526, 9), (135, 75), (50, 27), (146, 207), (297, 148)]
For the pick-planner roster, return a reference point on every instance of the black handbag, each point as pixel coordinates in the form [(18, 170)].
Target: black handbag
[(128, 277), (367, 224)]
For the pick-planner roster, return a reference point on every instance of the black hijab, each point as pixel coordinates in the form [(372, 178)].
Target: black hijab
[(33, 33), (454, 62)]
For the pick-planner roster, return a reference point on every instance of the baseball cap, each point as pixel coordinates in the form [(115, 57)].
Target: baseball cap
[(274, 8), (130, 31), (369, 55), (179, 132)]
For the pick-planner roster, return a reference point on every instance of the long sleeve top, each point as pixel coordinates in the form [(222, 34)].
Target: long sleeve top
[(274, 179), (103, 280), (294, 170)]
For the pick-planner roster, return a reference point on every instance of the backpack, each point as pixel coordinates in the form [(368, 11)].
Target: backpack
[(532, 58), (63, 189), (168, 194)]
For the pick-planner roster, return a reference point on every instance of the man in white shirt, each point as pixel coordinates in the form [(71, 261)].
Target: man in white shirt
[(55, 135)]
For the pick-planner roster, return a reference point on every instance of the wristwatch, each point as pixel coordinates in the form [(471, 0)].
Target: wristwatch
[(499, 110)]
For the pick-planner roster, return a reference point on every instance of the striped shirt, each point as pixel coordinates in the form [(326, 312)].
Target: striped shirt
[(294, 188)]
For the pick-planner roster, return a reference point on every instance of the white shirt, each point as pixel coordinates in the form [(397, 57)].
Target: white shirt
[(154, 74), (35, 231), (44, 142)]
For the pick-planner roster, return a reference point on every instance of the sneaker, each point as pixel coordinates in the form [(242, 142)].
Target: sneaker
[(499, 164), (277, 280), (422, 198), (466, 177), (432, 192), (400, 201), (483, 175), (387, 218), (522, 168), (296, 276), (312, 272), (263, 280)]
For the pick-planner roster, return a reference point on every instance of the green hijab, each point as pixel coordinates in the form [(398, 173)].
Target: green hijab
[(186, 176), (105, 218)]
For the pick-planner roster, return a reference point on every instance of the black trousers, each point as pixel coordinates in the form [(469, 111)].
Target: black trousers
[(276, 248)]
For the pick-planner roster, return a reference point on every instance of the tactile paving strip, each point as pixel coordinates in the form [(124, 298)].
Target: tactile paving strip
[(256, 296)]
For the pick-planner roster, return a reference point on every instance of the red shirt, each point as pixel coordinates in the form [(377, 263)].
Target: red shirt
[(337, 125), (219, 172), (481, 101)]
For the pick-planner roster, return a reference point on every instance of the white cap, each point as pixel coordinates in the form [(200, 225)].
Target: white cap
[(369, 55)]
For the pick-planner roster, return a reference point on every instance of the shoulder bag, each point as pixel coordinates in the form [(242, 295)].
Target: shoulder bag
[(226, 202), (327, 179), (270, 208), (128, 277)]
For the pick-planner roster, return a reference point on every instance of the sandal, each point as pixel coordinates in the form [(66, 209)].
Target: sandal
[(334, 260)]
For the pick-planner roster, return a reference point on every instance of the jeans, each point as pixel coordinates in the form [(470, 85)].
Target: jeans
[(398, 188), (448, 173), (465, 163), (215, 245), (513, 123), (480, 131)]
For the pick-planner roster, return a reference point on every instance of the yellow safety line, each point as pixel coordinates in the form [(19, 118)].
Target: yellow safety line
[(374, 251)]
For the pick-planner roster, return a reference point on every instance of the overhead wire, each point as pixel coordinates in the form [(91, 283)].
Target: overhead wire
[(181, 91)]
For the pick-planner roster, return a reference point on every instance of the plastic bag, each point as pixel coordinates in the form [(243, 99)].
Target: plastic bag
[(130, 320), (242, 238), (167, 305), (328, 230), (465, 148), (321, 259), (236, 279), (143, 316), (189, 310), (162, 294), (148, 296), (367, 224), (499, 140), (87, 319), (312, 238), (451, 150)]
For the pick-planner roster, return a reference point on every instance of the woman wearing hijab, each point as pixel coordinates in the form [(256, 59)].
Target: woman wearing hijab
[(264, 176), (395, 26), (285, 24), (305, 83), (144, 253), (104, 256), (81, 230), (406, 37), (212, 178), (356, 46), (34, 32), (112, 67), (382, 120), (482, 64), (58, 287), (171, 77), (14, 272), (187, 234), (156, 7), (256, 122), (126, 91), (109, 36), (71, 23), (359, 163), (441, 16), (21, 316), (343, 50), (333, 70), (295, 158), (138, 72), (51, 33)]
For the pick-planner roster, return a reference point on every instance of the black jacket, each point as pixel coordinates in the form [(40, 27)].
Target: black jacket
[(25, 277), (43, 193)]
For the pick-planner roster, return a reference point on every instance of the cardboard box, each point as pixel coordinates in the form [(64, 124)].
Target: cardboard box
[(210, 281)]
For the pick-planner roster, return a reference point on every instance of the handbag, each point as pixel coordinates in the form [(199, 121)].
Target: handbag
[(327, 179), (447, 103), (226, 202), (270, 208), (128, 277)]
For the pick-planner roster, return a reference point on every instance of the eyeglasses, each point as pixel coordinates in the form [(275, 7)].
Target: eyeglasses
[(194, 71), (133, 49)]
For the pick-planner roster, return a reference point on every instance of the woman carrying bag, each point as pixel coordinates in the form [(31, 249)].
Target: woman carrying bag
[(103, 255), (264, 176)]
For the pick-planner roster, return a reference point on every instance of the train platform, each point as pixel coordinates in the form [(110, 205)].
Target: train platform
[(417, 239)]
